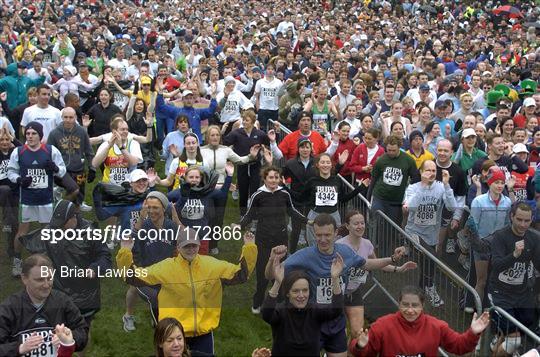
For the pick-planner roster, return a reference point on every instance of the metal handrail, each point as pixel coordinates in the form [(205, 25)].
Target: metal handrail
[(282, 127), (514, 321), (440, 264), (362, 198)]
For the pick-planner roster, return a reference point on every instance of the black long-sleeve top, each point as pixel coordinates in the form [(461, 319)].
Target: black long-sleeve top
[(272, 211), (512, 279), (296, 332), (299, 175), (101, 118), (242, 143)]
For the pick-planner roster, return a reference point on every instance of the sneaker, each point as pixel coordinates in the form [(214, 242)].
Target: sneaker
[(214, 251), (464, 261), (16, 268), (463, 242), (433, 296), (493, 343), (129, 323), (85, 208), (255, 310), (235, 195), (302, 237), (450, 246)]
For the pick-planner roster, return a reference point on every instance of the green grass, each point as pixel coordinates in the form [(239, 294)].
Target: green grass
[(239, 332)]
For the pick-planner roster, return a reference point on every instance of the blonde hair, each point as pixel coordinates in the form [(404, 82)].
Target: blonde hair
[(210, 128), (4, 132)]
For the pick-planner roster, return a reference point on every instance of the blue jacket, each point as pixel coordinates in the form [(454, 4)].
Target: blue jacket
[(488, 216), (17, 86), (195, 115)]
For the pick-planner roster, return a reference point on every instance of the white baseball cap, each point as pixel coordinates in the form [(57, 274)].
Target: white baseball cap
[(519, 148), (529, 102), (468, 132), (137, 175)]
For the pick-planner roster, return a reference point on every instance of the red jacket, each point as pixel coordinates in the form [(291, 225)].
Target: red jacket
[(342, 146), (392, 335), (289, 144), (359, 160)]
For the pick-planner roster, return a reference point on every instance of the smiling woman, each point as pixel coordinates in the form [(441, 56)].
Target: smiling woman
[(426, 333), (296, 322)]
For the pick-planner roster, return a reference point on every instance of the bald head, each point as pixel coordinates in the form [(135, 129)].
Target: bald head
[(69, 117), (444, 152)]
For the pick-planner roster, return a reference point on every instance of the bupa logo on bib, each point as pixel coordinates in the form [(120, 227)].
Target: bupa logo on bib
[(392, 176), (415, 355), (326, 196)]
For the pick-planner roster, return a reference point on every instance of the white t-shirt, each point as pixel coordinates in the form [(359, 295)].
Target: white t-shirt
[(121, 65), (231, 109), (371, 153), (133, 147), (49, 117), (268, 93), (355, 125)]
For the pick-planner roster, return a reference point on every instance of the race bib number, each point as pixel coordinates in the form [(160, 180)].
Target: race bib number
[(46, 349), (521, 194), (326, 196), (193, 210), (392, 176), (357, 277), (269, 92), (3, 169), (119, 100), (514, 275), (231, 107), (40, 179), (320, 124), (324, 290), (117, 175), (426, 215), (134, 216)]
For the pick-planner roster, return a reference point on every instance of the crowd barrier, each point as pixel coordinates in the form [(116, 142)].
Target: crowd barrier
[(528, 339), (387, 235)]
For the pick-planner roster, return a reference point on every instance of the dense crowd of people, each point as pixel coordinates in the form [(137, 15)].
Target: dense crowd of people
[(429, 109)]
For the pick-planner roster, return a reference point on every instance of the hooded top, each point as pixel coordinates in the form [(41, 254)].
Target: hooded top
[(17, 86)]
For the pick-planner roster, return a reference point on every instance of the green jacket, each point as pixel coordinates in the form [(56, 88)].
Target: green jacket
[(17, 86), (292, 100)]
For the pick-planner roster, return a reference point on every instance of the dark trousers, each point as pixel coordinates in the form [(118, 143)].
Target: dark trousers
[(202, 343), (427, 267), (249, 180), (216, 220), (150, 295), (393, 211), (263, 115), (297, 227), (9, 201), (148, 156), (263, 254)]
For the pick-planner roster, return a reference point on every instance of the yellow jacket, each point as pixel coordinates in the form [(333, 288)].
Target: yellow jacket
[(192, 292)]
